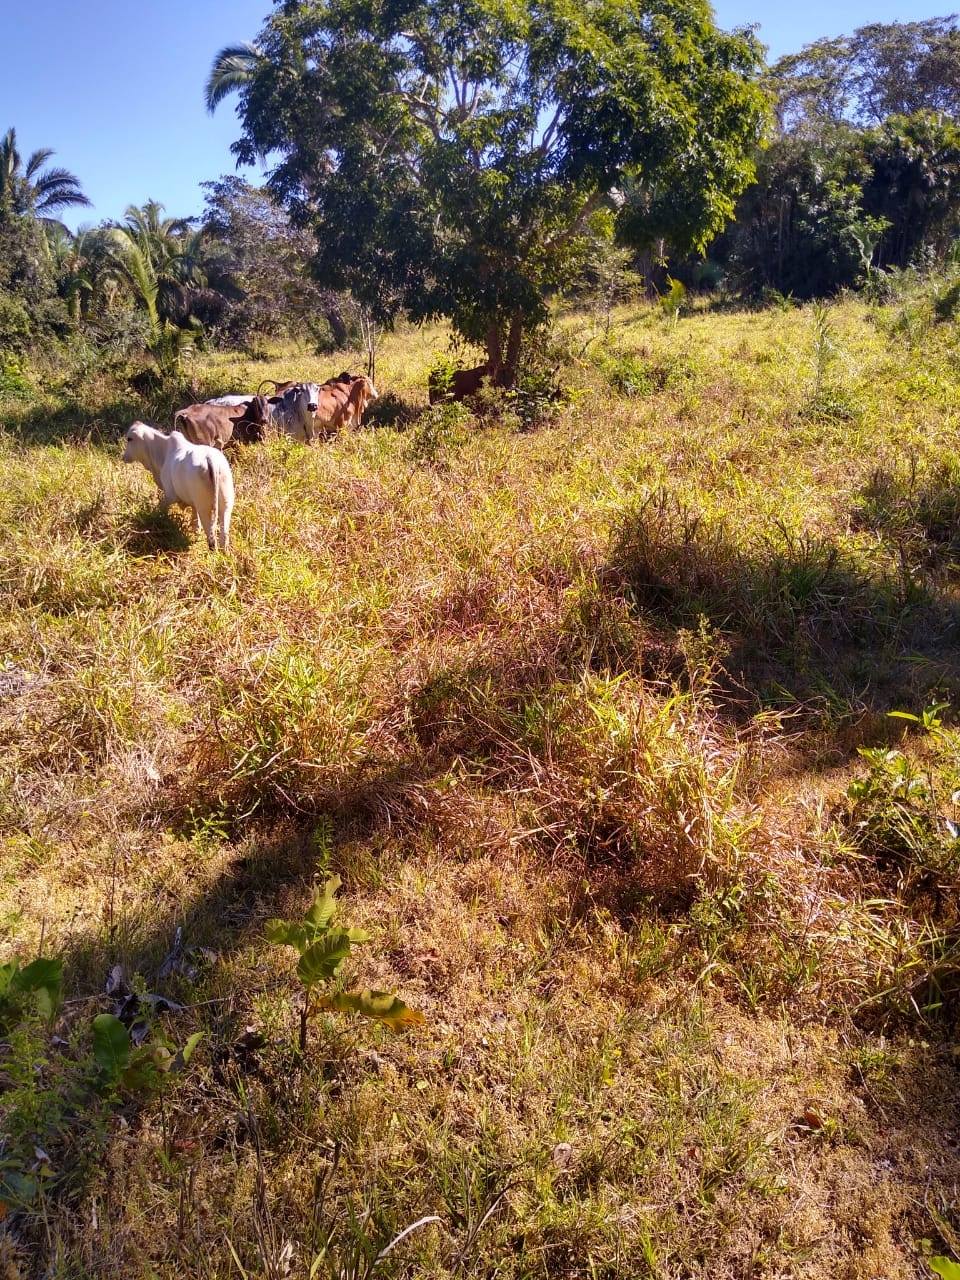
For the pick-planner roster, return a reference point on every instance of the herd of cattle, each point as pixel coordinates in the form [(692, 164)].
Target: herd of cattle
[(303, 410), (189, 465)]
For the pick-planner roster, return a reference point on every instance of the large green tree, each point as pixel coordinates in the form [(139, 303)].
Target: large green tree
[(455, 157)]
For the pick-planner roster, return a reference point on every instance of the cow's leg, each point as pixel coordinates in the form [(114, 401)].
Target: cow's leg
[(205, 516), (225, 514)]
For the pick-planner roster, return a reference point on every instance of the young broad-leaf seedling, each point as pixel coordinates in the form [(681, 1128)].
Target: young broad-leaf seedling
[(136, 1069), (323, 947), (37, 988)]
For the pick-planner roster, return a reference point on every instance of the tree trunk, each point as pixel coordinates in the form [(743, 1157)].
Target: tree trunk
[(494, 352), (334, 318), (508, 373)]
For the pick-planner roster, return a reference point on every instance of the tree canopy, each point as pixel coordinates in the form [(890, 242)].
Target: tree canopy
[(881, 70), (454, 157)]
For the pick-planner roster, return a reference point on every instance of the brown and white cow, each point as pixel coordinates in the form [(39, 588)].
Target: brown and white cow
[(343, 401)]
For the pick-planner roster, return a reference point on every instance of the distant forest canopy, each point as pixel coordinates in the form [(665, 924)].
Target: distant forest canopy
[(824, 171), (862, 170)]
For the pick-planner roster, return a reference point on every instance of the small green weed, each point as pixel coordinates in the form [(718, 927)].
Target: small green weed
[(323, 948)]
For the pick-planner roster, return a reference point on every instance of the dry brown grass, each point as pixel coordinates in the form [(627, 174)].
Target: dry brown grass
[(573, 712)]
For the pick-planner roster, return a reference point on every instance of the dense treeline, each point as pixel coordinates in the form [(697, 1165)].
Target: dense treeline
[(862, 173), (151, 285), (858, 173)]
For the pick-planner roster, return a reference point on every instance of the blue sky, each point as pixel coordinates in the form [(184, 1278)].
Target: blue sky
[(116, 86)]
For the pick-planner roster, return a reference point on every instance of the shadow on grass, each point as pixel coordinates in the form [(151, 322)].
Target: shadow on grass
[(154, 532), (171, 953), (796, 614), (391, 410), (917, 507), (790, 619), (74, 423)]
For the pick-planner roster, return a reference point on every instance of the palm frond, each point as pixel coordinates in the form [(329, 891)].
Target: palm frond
[(233, 67), (136, 268), (56, 189), (37, 161)]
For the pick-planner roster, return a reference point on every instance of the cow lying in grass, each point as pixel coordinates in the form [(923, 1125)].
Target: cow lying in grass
[(217, 424), (188, 475)]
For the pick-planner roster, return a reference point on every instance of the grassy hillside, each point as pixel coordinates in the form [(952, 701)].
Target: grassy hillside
[(592, 720)]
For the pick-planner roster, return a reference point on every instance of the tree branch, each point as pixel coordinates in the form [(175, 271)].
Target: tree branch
[(546, 142), (590, 205), (459, 91)]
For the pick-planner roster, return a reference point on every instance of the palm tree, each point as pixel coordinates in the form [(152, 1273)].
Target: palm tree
[(31, 188), (234, 65), (175, 272), (85, 268)]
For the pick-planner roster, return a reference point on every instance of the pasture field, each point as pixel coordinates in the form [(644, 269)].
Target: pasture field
[(592, 721)]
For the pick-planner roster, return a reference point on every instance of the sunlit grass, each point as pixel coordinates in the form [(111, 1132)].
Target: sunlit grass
[(573, 713)]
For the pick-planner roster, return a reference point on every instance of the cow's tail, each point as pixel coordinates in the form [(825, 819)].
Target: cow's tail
[(214, 473)]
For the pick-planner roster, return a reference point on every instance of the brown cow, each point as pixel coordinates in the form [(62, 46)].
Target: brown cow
[(462, 383), (361, 392), (343, 401), (218, 424)]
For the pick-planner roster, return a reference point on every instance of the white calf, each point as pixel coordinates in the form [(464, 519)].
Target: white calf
[(191, 475)]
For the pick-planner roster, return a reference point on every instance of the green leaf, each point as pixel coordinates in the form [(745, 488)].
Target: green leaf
[(17, 1190), (44, 972), (186, 1053), (325, 906), (320, 962), (43, 978), (287, 933), (944, 1268), (380, 1005), (111, 1045)]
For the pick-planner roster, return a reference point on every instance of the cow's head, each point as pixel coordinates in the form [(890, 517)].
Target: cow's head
[(135, 441), (258, 411)]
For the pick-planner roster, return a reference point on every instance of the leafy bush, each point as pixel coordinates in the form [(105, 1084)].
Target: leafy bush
[(439, 428), (13, 381), (16, 328)]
